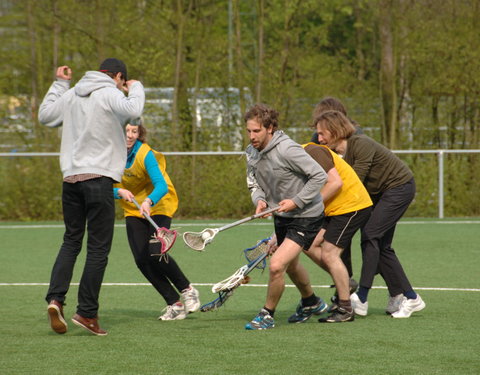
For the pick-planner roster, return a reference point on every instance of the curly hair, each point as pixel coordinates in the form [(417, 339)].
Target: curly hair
[(265, 115)]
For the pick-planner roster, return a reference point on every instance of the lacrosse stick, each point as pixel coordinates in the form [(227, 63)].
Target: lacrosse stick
[(252, 254), (165, 236), (257, 259), (198, 240), (217, 302)]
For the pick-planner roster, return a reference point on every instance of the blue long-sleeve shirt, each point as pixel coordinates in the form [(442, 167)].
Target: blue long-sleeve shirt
[(160, 187)]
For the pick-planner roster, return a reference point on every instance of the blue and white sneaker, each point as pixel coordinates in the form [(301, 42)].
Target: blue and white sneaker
[(304, 313), (262, 321)]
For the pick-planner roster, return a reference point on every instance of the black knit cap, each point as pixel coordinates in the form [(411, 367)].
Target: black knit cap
[(114, 66)]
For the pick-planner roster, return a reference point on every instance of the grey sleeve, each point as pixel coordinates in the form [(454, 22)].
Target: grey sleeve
[(50, 112), (302, 163)]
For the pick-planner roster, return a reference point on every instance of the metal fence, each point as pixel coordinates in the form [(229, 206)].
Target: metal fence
[(439, 153)]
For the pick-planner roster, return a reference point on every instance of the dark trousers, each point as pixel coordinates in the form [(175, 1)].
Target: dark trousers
[(377, 236), (161, 272), (84, 203), (346, 257)]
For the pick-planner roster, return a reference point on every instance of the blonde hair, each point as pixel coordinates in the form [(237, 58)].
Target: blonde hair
[(336, 123)]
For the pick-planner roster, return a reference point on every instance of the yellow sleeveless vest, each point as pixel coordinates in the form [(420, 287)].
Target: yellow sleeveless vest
[(352, 196), (137, 180)]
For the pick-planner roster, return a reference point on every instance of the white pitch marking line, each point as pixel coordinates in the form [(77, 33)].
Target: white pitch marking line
[(252, 285)]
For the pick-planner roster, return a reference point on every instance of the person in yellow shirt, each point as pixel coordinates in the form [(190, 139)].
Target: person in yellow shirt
[(347, 209), (145, 179)]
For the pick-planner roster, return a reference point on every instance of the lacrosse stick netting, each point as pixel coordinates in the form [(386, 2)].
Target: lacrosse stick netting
[(239, 275), (217, 302), (198, 240), (165, 236)]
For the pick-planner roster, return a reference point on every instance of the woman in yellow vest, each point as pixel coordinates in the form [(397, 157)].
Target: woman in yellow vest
[(347, 209), (145, 179)]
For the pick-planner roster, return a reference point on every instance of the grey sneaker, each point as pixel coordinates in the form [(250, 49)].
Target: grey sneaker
[(339, 315), (394, 303), (191, 299), (304, 313), (174, 312), (353, 288)]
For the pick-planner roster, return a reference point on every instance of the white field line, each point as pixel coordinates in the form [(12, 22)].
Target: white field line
[(252, 285), (180, 225)]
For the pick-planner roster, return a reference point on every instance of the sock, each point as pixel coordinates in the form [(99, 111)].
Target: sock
[(310, 301), (271, 312), (410, 294), (346, 304), (362, 293)]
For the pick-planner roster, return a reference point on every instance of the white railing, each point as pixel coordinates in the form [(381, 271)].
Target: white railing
[(440, 157)]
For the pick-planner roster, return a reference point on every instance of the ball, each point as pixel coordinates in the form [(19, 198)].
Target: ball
[(206, 236)]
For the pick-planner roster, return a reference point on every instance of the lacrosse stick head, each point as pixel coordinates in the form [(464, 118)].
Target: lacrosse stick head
[(163, 237), (167, 237), (231, 282), (254, 252), (198, 240), (217, 302)]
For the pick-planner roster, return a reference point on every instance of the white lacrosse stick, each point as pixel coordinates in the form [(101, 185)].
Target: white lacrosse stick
[(165, 236), (198, 240), (239, 276)]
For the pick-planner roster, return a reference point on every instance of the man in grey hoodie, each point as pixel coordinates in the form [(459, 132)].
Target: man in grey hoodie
[(93, 154), (286, 176)]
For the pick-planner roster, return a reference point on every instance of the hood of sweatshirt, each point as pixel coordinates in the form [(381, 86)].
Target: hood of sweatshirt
[(92, 81), (253, 155)]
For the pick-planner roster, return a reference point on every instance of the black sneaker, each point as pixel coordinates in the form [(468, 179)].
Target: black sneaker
[(339, 315), (353, 288)]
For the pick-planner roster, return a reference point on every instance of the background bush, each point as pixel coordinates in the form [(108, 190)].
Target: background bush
[(214, 186)]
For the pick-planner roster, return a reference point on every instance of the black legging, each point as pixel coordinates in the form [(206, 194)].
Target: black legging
[(160, 273), (377, 237)]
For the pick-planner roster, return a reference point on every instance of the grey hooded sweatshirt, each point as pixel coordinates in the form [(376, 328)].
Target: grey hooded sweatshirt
[(94, 114), (283, 170)]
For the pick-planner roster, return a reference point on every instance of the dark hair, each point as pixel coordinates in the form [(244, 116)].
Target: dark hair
[(142, 132), (115, 66), (337, 124), (328, 104), (265, 115)]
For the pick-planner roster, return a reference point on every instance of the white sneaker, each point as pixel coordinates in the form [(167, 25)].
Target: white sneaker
[(394, 303), (409, 306), (359, 307), (174, 312), (191, 299)]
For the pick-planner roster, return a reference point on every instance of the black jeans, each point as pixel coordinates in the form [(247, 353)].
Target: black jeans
[(84, 203), (160, 272), (377, 236)]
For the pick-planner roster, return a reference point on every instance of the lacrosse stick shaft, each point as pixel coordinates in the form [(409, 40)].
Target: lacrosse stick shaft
[(256, 216), (146, 216)]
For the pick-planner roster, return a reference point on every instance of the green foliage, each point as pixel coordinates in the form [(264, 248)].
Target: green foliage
[(311, 49), (215, 187)]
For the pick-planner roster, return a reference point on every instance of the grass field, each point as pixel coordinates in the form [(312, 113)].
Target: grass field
[(442, 260)]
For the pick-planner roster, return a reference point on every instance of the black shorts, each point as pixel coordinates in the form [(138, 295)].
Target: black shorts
[(300, 230), (340, 229)]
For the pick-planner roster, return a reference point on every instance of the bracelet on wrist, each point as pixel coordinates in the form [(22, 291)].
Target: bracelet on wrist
[(149, 201)]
